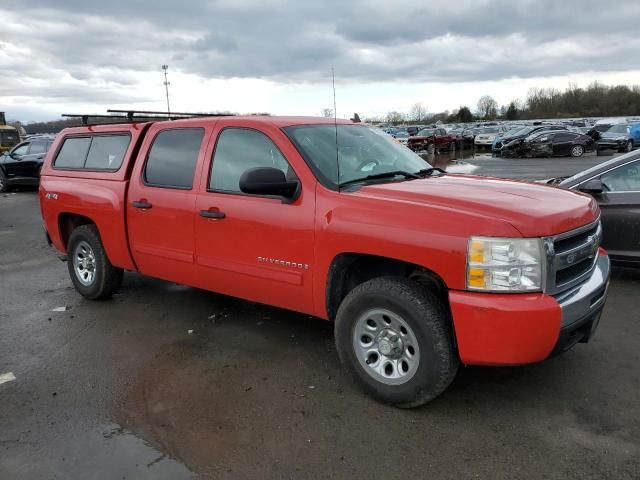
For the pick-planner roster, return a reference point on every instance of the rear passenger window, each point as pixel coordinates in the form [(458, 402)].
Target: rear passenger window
[(107, 153), (172, 158), (100, 152), (73, 152)]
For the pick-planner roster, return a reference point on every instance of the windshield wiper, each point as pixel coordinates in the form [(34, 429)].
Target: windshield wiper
[(379, 176), (427, 172)]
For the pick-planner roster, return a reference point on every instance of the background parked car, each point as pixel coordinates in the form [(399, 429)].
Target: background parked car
[(615, 185), (401, 136), (430, 139), (486, 136), (621, 137), (22, 164), (559, 144)]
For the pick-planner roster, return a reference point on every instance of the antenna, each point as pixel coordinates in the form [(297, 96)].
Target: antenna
[(165, 67), (335, 122)]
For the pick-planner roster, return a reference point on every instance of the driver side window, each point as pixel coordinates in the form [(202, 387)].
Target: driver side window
[(241, 149), (623, 179)]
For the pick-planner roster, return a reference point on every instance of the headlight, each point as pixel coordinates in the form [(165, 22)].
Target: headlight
[(504, 264)]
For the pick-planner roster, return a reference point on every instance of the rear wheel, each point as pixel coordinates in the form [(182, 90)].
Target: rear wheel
[(431, 148), (394, 337), (577, 151), (452, 146), (4, 183), (91, 272)]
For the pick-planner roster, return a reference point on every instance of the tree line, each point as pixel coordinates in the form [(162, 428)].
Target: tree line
[(596, 100)]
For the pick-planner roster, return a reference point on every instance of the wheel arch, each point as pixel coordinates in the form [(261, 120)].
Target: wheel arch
[(68, 222), (349, 269)]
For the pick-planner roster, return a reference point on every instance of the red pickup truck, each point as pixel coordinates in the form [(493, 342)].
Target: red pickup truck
[(430, 139), (419, 270)]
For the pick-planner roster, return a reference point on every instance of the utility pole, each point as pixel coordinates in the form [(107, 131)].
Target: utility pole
[(166, 87)]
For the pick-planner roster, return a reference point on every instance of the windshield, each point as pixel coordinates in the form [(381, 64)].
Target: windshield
[(488, 131), (618, 129), (601, 166), (362, 151), (401, 134), (427, 132)]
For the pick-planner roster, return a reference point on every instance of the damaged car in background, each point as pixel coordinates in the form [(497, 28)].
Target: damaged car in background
[(559, 144), (621, 138)]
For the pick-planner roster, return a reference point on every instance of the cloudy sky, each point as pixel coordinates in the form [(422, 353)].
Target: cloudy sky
[(60, 56)]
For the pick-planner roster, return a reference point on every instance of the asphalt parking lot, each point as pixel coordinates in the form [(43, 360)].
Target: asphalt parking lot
[(169, 382)]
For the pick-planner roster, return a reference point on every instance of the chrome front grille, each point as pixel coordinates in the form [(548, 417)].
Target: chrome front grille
[(571, 257)]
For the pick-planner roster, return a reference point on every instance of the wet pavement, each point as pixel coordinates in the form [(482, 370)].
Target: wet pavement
[(482, 162), (121, 389)]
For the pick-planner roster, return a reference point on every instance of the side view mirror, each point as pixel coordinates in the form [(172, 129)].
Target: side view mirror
[(268, 181), (593, 186)]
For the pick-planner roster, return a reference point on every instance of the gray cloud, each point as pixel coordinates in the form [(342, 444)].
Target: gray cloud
[(101, 46)]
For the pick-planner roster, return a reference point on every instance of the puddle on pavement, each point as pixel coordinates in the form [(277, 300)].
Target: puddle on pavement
[(226, 402), (104, 452), (460, 161)]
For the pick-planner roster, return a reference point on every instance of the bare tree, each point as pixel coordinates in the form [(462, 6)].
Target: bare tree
[(395, 117), (327, 112), (487, 107), (418, 112)]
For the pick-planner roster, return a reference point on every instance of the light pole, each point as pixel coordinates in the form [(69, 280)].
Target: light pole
[(166, 87)]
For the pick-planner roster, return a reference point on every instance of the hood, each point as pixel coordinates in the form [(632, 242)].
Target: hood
[(533, 209)]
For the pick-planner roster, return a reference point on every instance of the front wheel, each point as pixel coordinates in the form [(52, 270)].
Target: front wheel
[(394, 337), (577, 151), (91, 271), (629, 146)]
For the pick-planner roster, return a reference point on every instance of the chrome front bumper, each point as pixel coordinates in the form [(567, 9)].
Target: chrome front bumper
[(588, 298)]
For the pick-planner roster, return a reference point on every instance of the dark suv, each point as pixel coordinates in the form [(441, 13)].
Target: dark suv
[(21, 165)]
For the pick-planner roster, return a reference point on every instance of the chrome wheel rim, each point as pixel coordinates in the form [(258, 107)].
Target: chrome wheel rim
[(386, 347), (577, 151), (84, 263), (629, 146)]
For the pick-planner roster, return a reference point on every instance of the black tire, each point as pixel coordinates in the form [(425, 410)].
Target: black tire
[(452, 146), (431, 148), (4, 183), (106, 279), (628, 147), (598, 152), (428, 319), (577, 151)]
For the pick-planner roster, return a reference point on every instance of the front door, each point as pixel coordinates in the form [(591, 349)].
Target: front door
[(620, 205), (161, 204), (32, 161), (255, 247), (13, 165)]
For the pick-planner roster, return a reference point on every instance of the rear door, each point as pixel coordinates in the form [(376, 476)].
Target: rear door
[(562, 143), (161, 202), (620, 205), (255, 247)]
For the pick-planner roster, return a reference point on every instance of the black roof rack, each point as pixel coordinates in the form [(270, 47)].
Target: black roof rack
[(140, 116)]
